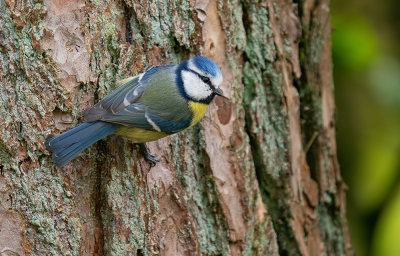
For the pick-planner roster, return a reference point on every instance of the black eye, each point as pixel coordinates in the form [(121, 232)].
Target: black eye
[(205, 79)]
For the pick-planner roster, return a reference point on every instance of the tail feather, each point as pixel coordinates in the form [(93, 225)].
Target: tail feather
[(74, 135), (68, 145)]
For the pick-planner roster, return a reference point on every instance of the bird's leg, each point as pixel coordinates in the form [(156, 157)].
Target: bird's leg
[(149, 156)]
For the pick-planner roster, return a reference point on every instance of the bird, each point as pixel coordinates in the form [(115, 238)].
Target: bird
[(156, 103)]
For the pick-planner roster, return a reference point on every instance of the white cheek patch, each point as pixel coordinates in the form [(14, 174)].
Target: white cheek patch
[(194, 86)]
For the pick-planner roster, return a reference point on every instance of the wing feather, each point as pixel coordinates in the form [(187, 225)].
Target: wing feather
[(130, 90), (154, 111), (140, 116)]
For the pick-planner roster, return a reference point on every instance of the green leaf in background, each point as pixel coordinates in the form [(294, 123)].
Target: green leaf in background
[(384, 81), (377, 168), (354, 42), (386, 237), (366, 56)]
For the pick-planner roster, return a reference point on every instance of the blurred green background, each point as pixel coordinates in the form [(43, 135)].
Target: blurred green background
[(366, 55)]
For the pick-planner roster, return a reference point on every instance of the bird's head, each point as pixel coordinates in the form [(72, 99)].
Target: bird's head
[(199, 79)]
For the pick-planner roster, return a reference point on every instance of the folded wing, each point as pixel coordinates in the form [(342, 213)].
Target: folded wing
[(161, 108)]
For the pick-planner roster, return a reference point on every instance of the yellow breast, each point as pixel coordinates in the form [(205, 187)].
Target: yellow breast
[(138, 135), (198, 109)]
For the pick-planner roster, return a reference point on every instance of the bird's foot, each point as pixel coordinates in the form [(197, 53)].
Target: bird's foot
[(149, 156)]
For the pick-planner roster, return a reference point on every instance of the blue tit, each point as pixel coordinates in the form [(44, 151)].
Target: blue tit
[(159, 102)]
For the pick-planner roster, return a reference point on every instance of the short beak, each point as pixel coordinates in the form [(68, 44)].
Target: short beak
[(220, 93)]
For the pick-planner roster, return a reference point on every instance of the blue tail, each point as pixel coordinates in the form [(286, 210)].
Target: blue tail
[(68, 145)]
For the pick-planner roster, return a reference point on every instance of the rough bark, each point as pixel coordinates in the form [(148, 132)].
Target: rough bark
[(258, 176)]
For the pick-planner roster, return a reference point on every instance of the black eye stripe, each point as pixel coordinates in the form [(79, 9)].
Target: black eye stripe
[(204, 79)]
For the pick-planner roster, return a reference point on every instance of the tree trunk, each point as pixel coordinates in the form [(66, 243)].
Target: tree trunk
[(258, 176)]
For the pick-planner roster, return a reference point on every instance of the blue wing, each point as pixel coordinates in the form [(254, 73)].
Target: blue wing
[(141, 116)]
